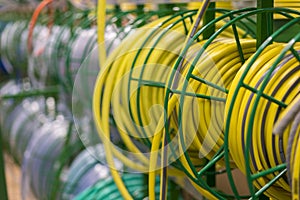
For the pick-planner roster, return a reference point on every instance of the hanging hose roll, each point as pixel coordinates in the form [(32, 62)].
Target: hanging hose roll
[(50, 151), (257, 99), (200, 112), (217, 71), (105, 115), (140, 71)]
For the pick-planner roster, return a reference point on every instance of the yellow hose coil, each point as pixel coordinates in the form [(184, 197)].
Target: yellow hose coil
[(133, 119), (266, 150)]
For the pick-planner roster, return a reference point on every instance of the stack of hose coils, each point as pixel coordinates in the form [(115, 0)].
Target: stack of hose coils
[(46, 158), (165, 107), (86, 170), (212, 143), (194, 92), (141, 71), (20, 117)]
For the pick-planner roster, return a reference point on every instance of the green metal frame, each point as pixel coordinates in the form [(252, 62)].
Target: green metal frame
[(49, 91)]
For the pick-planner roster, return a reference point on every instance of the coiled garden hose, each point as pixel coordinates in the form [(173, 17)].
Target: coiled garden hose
[(132, 104), (202, 112), (136, 184), (114, 173), (266, 150), (86, 170), (84, 53), (218, 155), (20, 131), (50, 151), (126, 66), (47, 55), (257, 97), (132, 88), (163, 184)]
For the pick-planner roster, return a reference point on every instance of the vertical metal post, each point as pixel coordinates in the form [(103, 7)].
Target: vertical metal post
[(263, 30), (211, 176), (210, 15), (264, 22)]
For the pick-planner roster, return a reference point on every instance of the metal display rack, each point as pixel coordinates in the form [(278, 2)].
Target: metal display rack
[(265, 36)]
